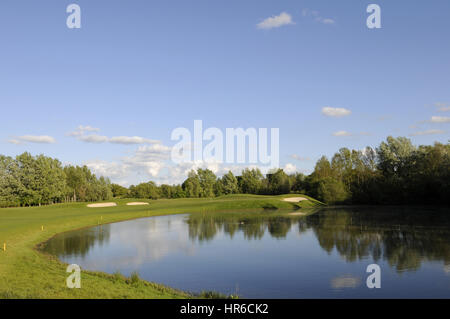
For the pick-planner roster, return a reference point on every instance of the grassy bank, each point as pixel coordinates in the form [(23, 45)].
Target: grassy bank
[(27, 273)]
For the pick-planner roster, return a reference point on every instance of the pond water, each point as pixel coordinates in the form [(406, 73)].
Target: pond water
[(276, 254)]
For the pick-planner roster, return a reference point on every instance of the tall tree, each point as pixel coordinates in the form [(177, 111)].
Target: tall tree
[(229, 184), (278, 183), (147, 190), (9, 182), (251, 181), (191, 185), (207, 180), (118, 190)]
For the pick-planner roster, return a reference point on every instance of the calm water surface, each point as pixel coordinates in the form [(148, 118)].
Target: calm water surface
[(275, 254)]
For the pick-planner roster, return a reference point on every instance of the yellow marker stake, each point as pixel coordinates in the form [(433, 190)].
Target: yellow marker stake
[(4, 246), (42, 228)]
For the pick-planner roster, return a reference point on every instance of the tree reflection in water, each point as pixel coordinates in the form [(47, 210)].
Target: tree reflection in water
[(78, 243), (253, 225), (404, 237)]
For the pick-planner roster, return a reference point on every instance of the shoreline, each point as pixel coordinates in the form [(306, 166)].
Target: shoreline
[(25, 258)]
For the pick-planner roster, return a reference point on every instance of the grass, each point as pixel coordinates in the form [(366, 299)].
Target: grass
[(25, 272)]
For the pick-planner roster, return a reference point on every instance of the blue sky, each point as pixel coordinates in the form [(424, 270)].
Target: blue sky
[(144, 68)]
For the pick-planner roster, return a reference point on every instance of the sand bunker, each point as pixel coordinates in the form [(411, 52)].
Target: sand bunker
[(101, 205), (137, 203), (297, 214), (295, 199)]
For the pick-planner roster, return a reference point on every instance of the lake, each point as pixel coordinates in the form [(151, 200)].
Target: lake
[(276, 254)]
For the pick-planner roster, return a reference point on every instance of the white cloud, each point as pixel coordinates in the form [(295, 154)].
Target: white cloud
[(109, 169), (443, 107), (155, 151), (317, 17), (131, 140), (345, 133), (153, 162), (94, 138), (276, 21), (41, 139), (325, 20), (82, 129), (300, 158), (342, 133), (145, 164), (335, 111), (79, 133), (428, 132), (153, 168), (440, 119), (15, 141), (290, 168), (149, 160)]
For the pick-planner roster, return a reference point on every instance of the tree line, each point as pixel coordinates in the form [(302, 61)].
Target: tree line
[(203, 183), (396, 172), (28, 180)]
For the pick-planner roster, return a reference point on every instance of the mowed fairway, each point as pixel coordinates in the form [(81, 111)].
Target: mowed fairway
[(27, 273)]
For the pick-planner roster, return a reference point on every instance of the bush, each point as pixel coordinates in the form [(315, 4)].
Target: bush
[(332, 191)]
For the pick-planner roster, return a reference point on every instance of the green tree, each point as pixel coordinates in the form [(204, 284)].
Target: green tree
[(28, 179), (9, 182), (118, 190), (147, 190), (178, 192), (191, 186), (394, 156), (207, 180), (322, 168), (83, 185), (332, 191), (229, 184), (278, 183), (298, 183), (251, 181), (51, 180), (166, 191)]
